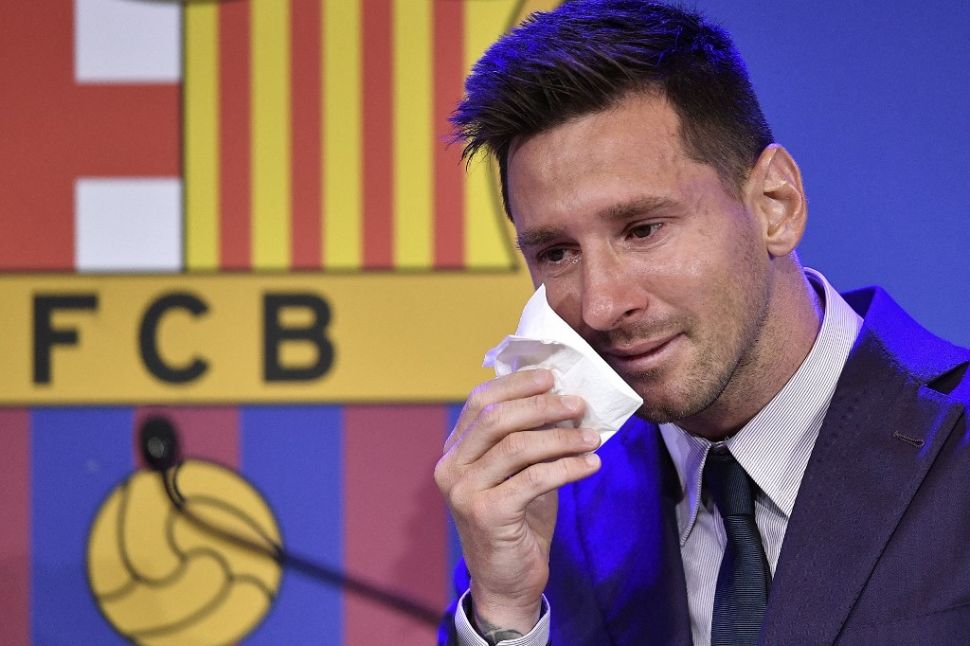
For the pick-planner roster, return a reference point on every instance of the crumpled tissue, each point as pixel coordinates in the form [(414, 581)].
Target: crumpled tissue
[(544, 340)]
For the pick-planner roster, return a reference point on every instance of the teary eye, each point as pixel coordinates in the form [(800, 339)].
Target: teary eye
[(554, 255), (645, 230)]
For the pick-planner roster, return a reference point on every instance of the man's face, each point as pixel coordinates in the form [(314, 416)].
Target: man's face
[(644, 253)]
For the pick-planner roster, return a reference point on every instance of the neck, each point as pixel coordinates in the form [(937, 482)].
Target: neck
[(789, 331)]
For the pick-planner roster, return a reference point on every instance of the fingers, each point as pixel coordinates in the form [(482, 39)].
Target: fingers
[(503, 505), (541, 478), (517, 451), (496, 421), (497, 467), (518, 385), (497, 438), (518, 469)]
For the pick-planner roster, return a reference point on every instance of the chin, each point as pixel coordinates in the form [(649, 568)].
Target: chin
[(660, 414), (661, 405)]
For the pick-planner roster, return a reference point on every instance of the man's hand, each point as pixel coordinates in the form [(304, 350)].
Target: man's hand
[(499, 474)]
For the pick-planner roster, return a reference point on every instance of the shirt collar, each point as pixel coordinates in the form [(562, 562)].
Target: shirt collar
[(774, 447)]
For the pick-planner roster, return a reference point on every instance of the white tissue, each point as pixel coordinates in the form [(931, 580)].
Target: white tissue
[(544, 340)]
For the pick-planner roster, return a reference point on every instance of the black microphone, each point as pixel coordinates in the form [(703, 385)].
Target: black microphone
[(159, 443), (160, 448)]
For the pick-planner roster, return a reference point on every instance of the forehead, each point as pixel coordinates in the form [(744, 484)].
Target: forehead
[(626, 152)]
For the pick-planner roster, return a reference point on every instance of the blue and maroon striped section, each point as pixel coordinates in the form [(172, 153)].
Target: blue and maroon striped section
[(15, 526), (351, 487), (454, 545), (78, 455), (394, 528), (293, 456), (205, 432)]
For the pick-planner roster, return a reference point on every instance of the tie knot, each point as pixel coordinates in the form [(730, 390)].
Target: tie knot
[(728, 484)]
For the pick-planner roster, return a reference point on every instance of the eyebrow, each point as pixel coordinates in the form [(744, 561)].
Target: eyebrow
[(639, 206)]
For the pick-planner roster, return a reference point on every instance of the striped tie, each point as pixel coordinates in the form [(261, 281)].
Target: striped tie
[(744, 577)]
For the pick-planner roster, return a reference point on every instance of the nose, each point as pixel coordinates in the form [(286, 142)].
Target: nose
[(611, 295)]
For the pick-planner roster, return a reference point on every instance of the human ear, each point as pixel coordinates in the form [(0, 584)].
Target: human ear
[(777, 198)]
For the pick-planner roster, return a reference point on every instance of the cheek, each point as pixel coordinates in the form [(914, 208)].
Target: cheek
[(676, 275), (738, 291), (701, 284), (565, 298)]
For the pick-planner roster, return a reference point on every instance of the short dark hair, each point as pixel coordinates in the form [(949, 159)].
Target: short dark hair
[(587, 55)]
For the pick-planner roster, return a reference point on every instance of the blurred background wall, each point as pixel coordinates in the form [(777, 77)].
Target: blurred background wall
[(241, 217)]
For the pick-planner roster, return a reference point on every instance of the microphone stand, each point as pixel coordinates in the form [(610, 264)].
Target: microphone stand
[(161, 451)]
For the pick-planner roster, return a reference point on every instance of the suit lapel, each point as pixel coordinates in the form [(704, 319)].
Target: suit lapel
[(883, 430), (628, 528)]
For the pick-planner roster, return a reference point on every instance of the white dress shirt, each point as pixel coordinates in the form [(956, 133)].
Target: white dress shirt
[(773, 448)]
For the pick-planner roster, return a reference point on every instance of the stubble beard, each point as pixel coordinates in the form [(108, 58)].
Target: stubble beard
[(670, 397), (689, 396), (710, 375)]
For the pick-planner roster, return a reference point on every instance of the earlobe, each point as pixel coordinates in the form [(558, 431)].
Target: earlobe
[(778, 200)]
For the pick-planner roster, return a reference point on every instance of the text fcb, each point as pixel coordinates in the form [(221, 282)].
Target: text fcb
[(46, 336), (250, 337)]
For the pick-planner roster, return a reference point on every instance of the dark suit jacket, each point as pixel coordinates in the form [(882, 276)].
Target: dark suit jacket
[(877, 549)]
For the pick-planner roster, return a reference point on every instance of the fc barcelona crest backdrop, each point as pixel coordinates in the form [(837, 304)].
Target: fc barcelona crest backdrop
[(235, 241)]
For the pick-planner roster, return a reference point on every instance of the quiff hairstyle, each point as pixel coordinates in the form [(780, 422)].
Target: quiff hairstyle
[(587, 55)]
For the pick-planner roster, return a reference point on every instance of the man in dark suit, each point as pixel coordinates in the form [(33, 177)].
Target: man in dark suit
[(796, 474)]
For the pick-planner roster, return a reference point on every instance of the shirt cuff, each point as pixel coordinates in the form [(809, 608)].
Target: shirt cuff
[(468, 636)]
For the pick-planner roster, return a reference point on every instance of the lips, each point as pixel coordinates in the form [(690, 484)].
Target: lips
[(640, 356)]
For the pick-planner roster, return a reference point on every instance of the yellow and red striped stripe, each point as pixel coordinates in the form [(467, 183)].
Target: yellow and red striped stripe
[(235, 220), (315, 135), (200, 132), (341, 54), (449, 177), (413, 138), (378, 158), (306, 147)]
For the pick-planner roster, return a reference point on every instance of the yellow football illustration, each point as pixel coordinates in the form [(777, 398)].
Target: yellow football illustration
[(201, 572)]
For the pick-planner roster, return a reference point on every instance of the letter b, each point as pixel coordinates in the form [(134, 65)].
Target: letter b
[(275, 333)]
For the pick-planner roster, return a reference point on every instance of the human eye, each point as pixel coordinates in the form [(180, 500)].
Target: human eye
[(555, 257), (645, 230)]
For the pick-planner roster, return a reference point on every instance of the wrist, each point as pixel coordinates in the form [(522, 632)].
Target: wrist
[(496, 621), (495, 636)]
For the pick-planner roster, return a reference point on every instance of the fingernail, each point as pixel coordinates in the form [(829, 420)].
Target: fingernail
[(591, 438), (592, 459)]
